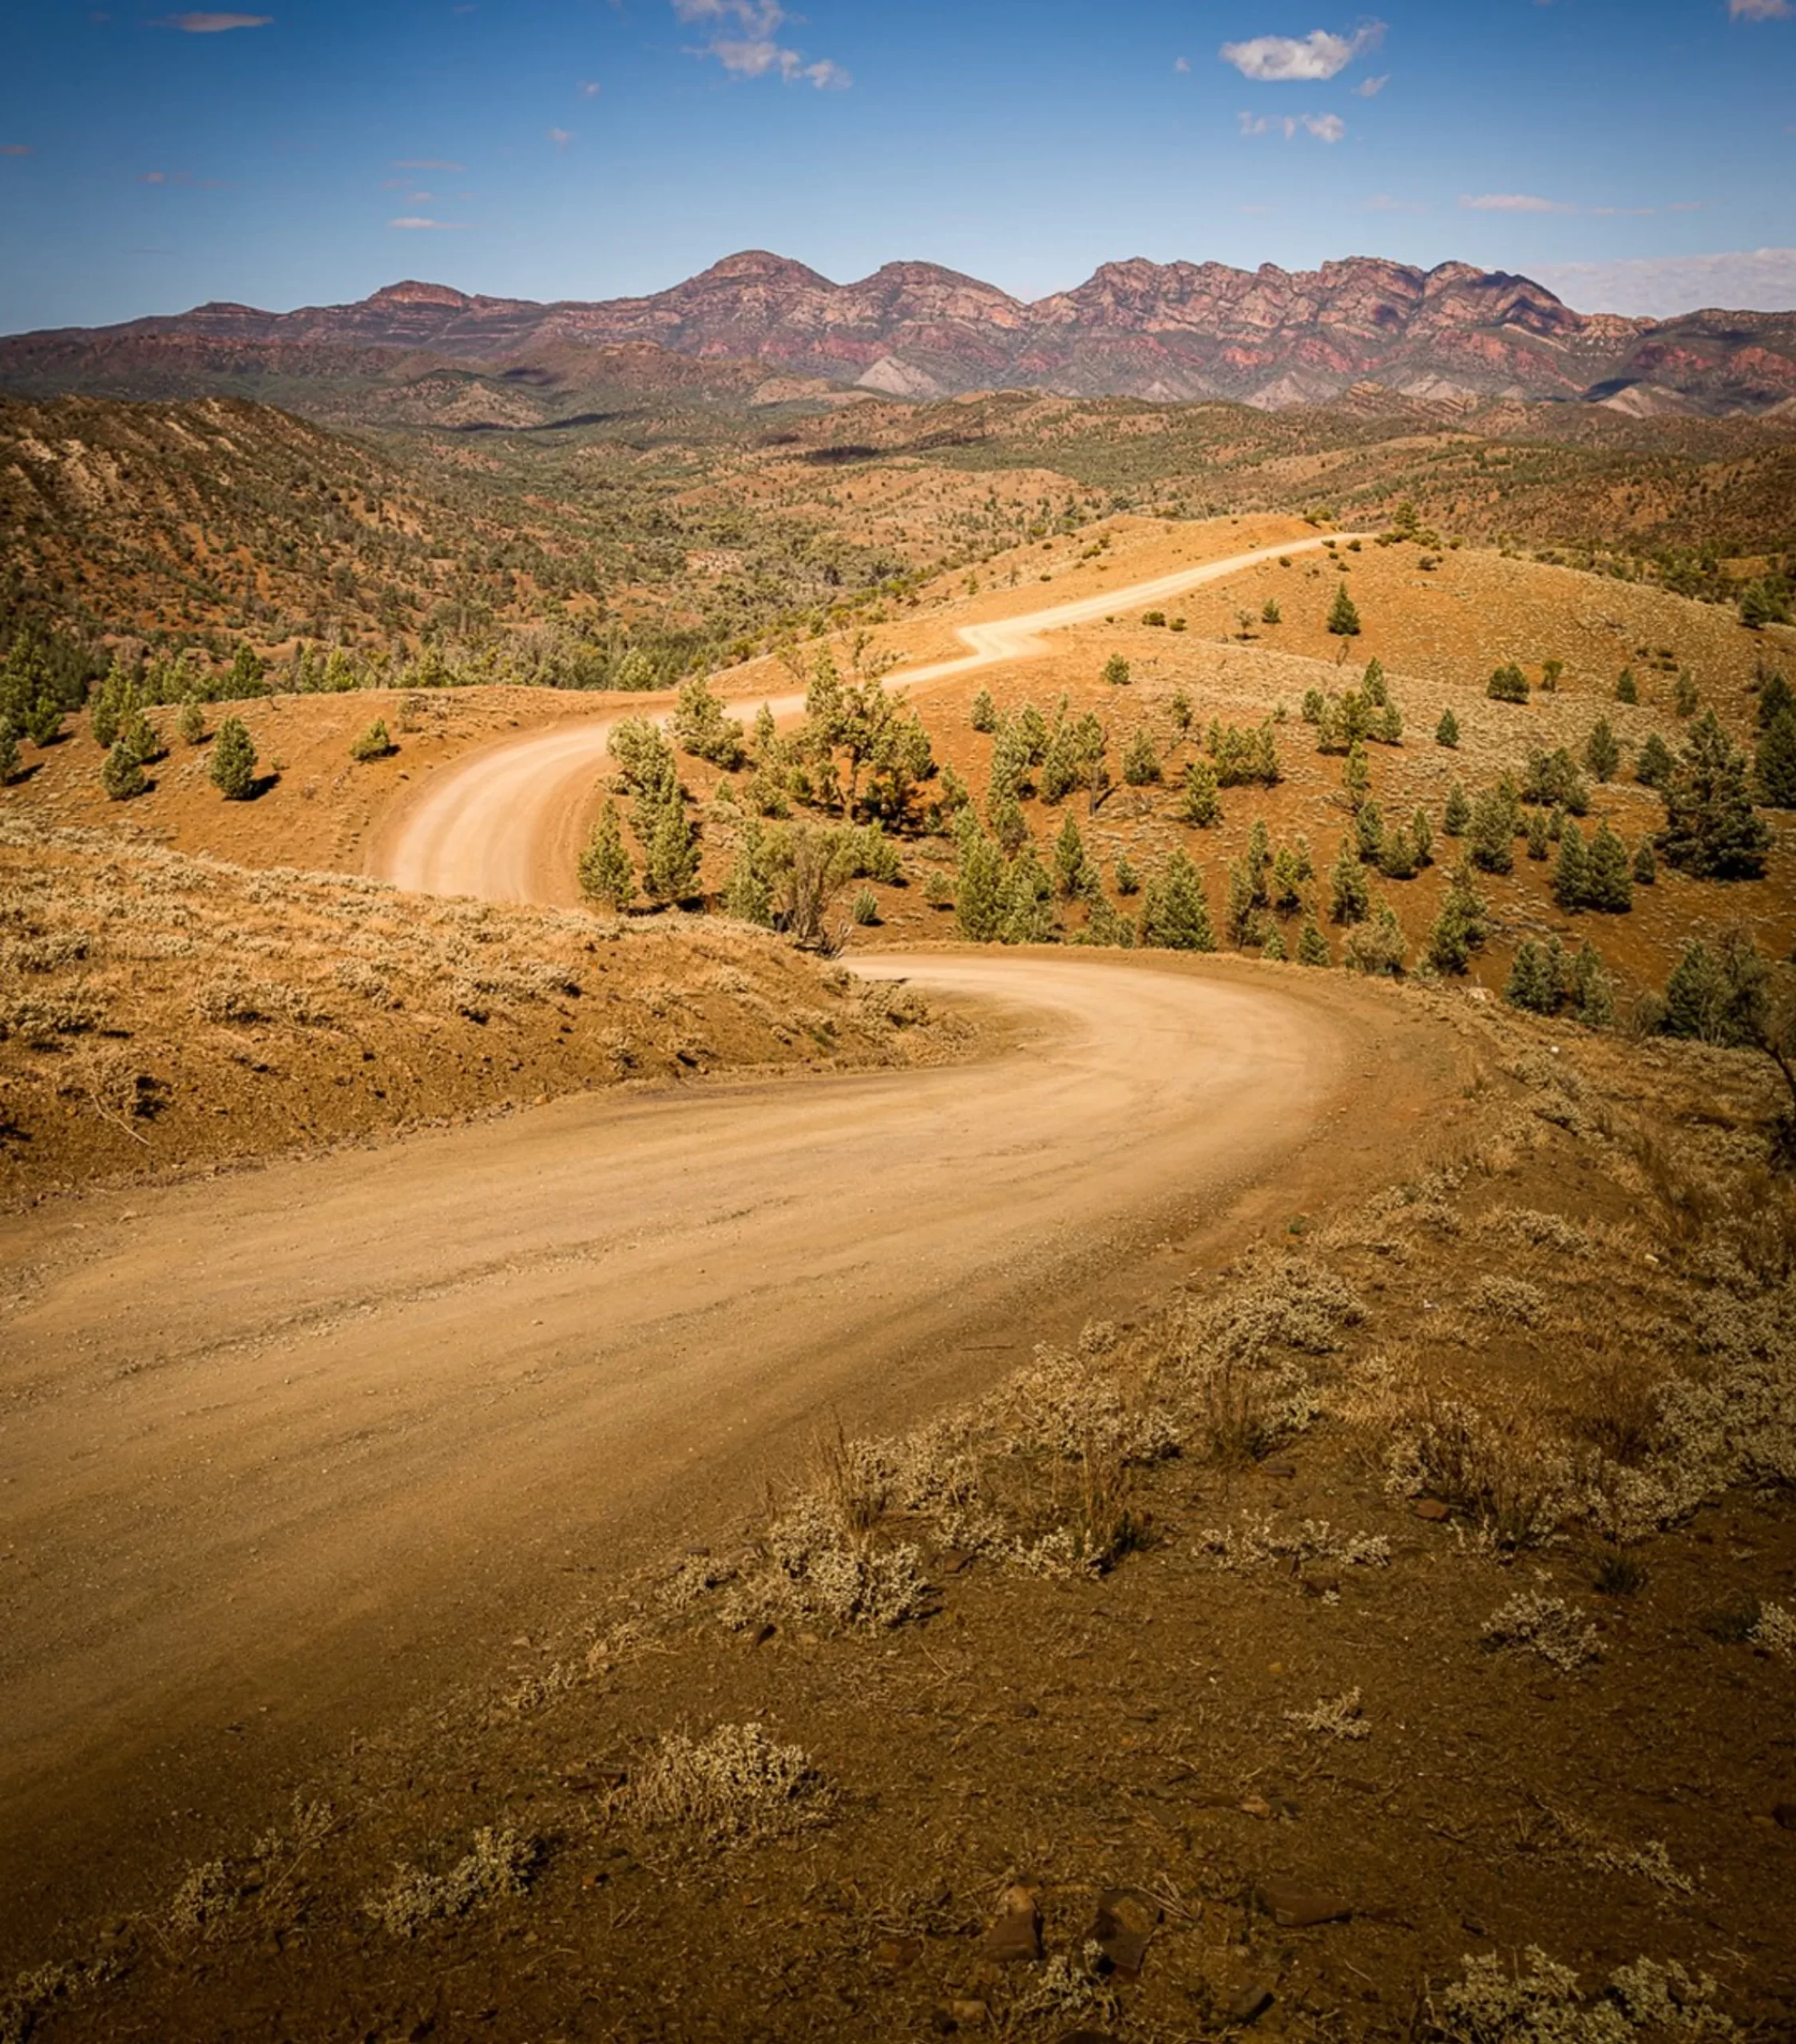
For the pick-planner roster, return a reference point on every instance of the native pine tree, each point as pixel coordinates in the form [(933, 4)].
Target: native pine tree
[(671, 866), (1174, 916), (1312, 946), (192, 722), (1356, 774), (606, 874), (1653, 763), (1627, 690), (1343, 616), (1571, 873), (1608, 883), (1710, 831), (1508, 684), (1422, 836), (1203, 804), (1350, 897), (1683, 697), (9, 751), (1458, 814), (1115, 671), (1538, 842), (1072, 871), (1460, 928), (979, 888), (1534, 982), (1492, 834), (1397, 854), (984, 712), (233, 761), (1274, 947), (1269, 613), (1602, 755), (1646, 866), (1775, 695), (1446, 732), (1776, 762), (122, 774), (1028, 892), (1140, 761), (1128, 880)]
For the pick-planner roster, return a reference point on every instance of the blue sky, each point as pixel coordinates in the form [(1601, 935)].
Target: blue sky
[(1638, 155)]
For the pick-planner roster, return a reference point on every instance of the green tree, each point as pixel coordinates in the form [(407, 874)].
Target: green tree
[(1460, 928), (1717, 996), (247, 671), (1343, 617), (1592, 992), (1273, 947), (1446, 732), (1653, 763), (1179, 710), (1073, 872), (1269, 613), (1775, 695), (1312, 946), (1350, 896), (1356, 774), (1684, 695), (1626, 689), (1028, 892), (43, 721), (1570, 873), (122, 775), (701, 728), (1602, 755), (670, 866), (1763, 603), (1140, 761), (1202, 803), (1491, 836), (984, 712), (1422, 836), (1369, 832), (1128, 880), (233, 761), (606, 874), (1457, 819), (1776, 762), (1608, 880), (1174, 916), (1533, 981), (1115, 671), (1375, 947), (1646, 866), (1710, 831), (1397, 854), (1538, 842), (1009, 826), (192, 722), (980, 889), (1372, 683), (1508, 684)]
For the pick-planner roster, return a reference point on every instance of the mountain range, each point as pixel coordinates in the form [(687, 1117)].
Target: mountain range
[(1174, 332)]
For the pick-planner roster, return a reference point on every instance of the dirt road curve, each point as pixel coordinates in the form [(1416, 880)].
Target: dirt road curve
[(507, 826), (283, 1449)]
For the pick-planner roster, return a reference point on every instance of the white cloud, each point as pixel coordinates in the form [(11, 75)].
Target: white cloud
[(413, 221), (1370, 88), (424, 163), (1182, 64), (559, 137), (1661, 286), (1758, 10), (1325, 127), (588, 90), (753, 51), (1512, 202), (212, 24), (1301, 60)]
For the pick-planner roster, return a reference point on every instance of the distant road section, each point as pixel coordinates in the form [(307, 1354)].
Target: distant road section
[(506, 823)]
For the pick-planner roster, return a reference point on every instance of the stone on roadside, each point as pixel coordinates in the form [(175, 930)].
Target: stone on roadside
[(1294, 1908)]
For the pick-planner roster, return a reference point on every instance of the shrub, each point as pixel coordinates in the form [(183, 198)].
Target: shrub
[(1115, 671), (1626, 689), (1683, 697), (1244, 758), (1508, 684), (1376, 948), (1552, 778), (703, 730), (865, 908), (233, 761), (1269, 613), (1446, 732), (735, 1785), (1343, 617), (1646, 866), (192, 722), (1557, 1632), (374, 743)]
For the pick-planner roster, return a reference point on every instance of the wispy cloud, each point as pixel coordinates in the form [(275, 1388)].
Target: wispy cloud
[(212, 24), (1383, 202), (1512, 202), (1325, 127), (1758, 10), (1661, 286), (415, 222), (744, 39), (559, 137), (590, 89), (15, 149), (1301, 60), (1182, 64), (1370, 88), (424, 163)]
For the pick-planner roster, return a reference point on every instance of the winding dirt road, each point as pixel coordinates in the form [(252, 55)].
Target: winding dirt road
[(285, 1452), (508, 825)]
